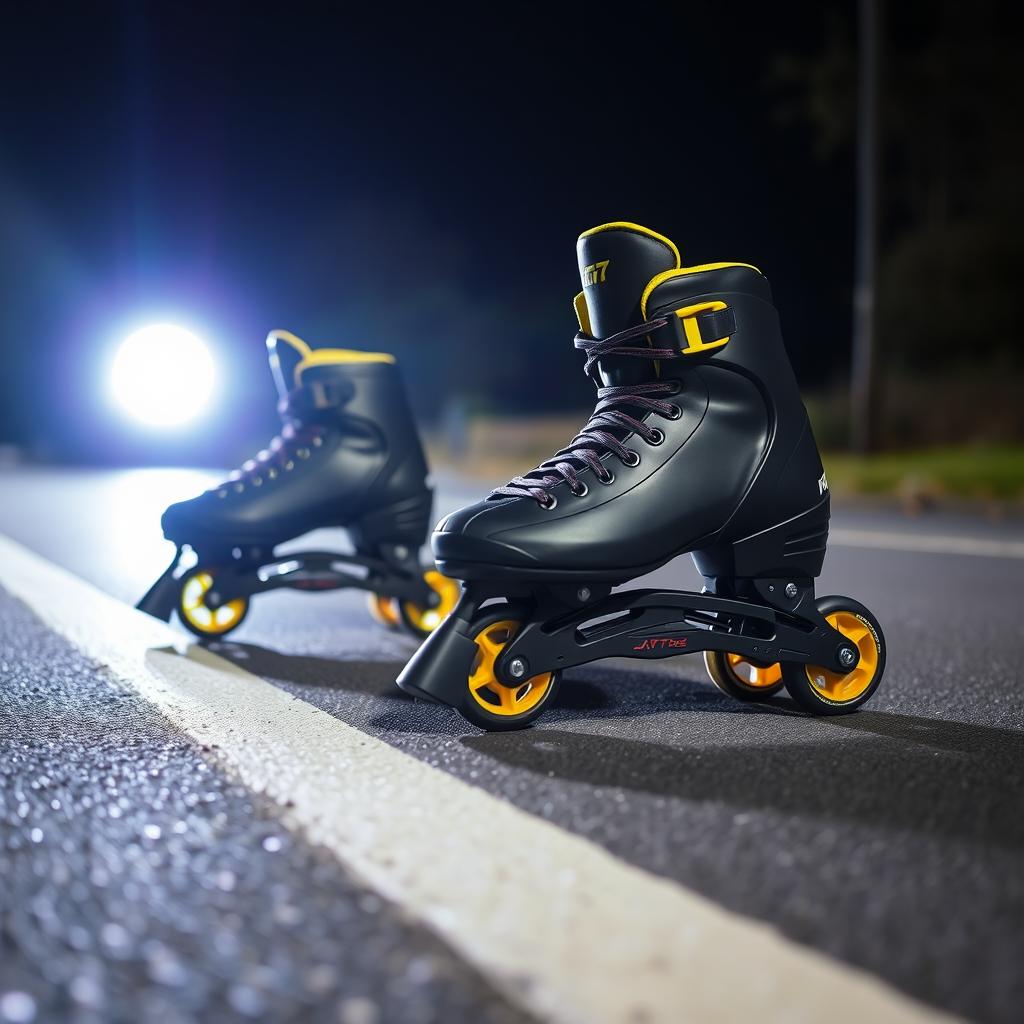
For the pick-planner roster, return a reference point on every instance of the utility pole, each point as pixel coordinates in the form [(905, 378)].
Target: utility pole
[(863, 398)]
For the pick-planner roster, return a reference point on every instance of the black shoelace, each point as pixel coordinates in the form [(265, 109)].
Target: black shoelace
[(597, 437)]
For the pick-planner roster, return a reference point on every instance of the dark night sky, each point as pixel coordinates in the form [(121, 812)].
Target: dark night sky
[(414, 182)]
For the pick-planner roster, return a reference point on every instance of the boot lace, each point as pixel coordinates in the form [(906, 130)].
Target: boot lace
[(600, 435), (295, 441)]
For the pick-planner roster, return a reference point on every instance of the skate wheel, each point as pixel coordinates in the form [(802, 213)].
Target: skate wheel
[(823, 692), (384, 610), (197, 616), (737, 676), (423, 621), (491, 704)]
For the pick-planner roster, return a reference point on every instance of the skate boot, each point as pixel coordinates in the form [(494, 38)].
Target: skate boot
[(348, 455), (699, 443)]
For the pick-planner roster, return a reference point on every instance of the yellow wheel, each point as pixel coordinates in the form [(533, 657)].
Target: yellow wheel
[(824, 692), (423, 621), (384, 610), (198, 617), (491, 704), (742, 678)]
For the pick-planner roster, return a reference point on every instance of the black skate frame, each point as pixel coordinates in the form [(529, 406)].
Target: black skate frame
[(569, 626), (244, 572)]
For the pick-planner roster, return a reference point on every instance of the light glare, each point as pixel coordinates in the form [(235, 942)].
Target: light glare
[(163, 375)]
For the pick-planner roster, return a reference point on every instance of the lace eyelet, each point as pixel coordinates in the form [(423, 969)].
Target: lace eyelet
[(582, 493), (657, 436), (289, 466), (257, 481), (271, 473), (548, 505), (606, 478), (239, 488), (634, 461), (317, 441), (303, 453), (674, 414)]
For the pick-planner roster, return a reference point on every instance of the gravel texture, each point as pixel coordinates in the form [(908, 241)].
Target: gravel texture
[(139, 883)]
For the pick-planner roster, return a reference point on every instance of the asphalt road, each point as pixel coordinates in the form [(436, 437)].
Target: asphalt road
[(892, 840)]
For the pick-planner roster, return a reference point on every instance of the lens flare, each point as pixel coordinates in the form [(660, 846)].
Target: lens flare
[(163, 375)]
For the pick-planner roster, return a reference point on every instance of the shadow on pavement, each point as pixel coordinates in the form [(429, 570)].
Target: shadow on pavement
[(608, 692), (891, 771), (894, 771), (376, 678)]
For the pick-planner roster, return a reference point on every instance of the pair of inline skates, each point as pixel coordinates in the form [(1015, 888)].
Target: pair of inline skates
[(699, 443)]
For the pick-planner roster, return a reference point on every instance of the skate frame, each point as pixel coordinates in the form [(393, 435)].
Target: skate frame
[(667, 623), (395, 574)]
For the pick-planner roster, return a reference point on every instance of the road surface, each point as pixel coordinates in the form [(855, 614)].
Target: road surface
[(218, 835)]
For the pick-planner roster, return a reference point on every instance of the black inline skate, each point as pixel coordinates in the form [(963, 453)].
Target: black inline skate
[(348, 455), (699, 443)]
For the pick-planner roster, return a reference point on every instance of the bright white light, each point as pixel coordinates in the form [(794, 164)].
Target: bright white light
[(163, 375)]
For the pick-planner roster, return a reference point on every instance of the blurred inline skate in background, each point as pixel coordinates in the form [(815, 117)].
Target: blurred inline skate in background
[(348, 455)]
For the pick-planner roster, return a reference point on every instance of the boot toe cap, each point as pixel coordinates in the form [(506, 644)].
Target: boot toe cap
[(474, 535), (181, 519)]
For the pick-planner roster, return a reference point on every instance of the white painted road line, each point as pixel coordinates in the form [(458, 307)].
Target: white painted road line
[(562, 927), (934, 544)]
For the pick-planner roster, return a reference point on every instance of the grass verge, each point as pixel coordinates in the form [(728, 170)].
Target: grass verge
[(981, 472)]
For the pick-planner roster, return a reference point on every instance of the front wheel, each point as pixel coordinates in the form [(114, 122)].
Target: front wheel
[(824, 692), (489, 703)]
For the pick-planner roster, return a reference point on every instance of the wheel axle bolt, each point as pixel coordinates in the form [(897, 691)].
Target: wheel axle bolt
[(583, 594), (791, 590), (846, 656), (517, 668)]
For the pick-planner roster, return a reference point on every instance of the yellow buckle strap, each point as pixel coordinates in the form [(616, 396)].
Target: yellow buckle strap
[(688, 316)]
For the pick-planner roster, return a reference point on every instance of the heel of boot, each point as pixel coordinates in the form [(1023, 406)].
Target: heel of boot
[(403, 522), (439, 670), (794, 548), (162, 598)]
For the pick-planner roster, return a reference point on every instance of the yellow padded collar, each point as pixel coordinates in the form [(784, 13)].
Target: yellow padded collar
[(682, 272), (625, 225), (324, 356)]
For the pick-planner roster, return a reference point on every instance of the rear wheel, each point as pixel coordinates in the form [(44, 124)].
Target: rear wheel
[(384, 610), (422, 621), (197, 616), (742, 678), (490, 703), (824, 692)]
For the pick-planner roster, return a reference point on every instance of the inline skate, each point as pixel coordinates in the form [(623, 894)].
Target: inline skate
[(348, 455), (699, 443)]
